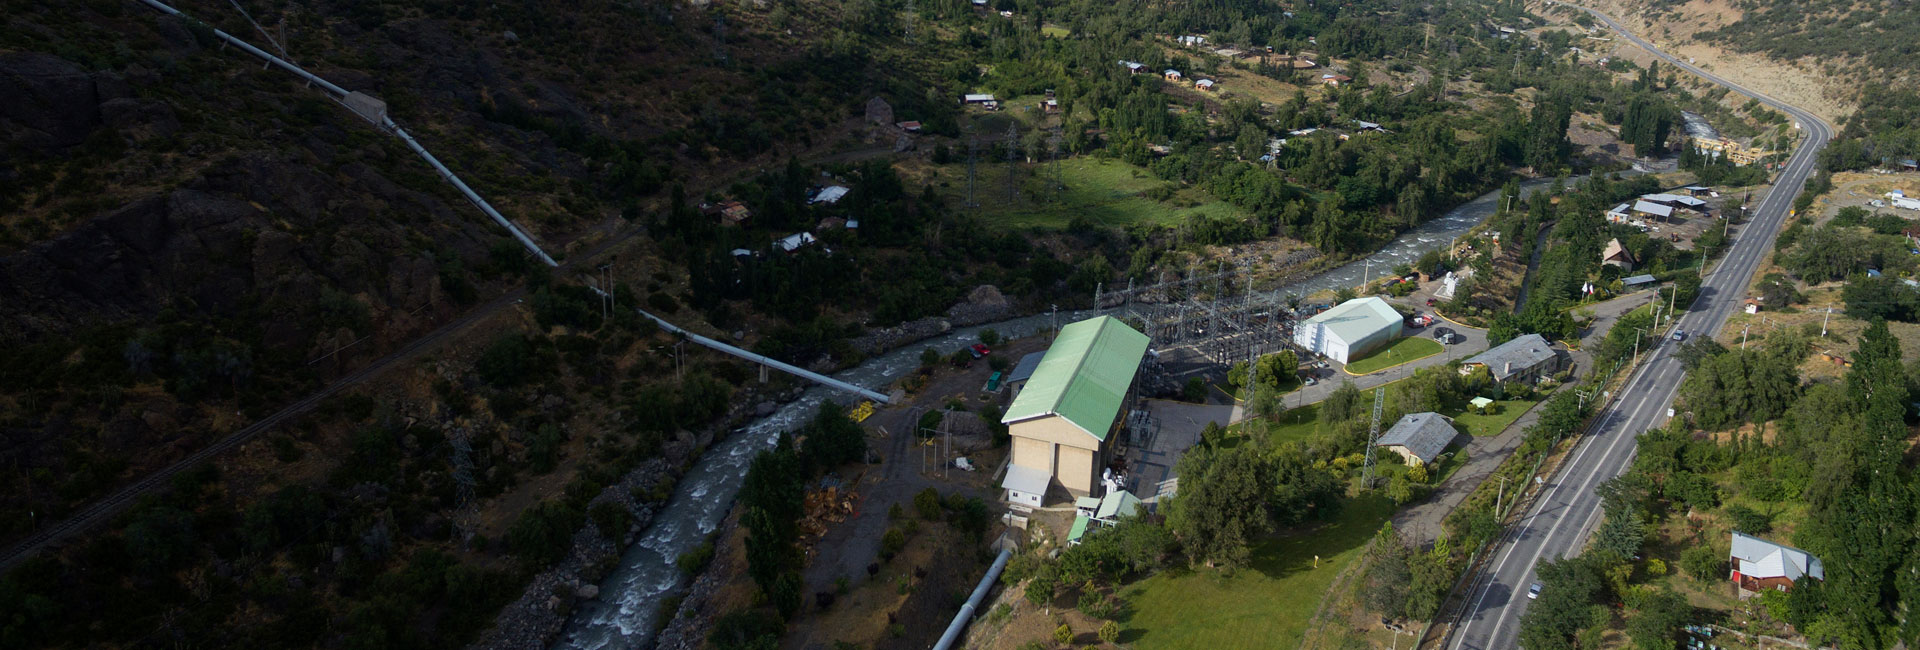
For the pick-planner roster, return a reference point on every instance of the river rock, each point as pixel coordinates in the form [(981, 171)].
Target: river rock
[(588, 592), (764, 409)]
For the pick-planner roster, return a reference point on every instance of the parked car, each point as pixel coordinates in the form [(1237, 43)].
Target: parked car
[(979, 350), (1533, 592), (1309, 380), (1679, 335)]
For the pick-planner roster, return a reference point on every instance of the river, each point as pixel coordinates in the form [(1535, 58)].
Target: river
[(627, 611)]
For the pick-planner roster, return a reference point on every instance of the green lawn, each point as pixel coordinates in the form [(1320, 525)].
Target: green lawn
[(1264, 606), (1106, 192), (1400, 351), (1054, 31), (1499, 414)]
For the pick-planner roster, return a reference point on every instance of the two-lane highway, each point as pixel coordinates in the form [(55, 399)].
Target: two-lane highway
[(1558, 523)]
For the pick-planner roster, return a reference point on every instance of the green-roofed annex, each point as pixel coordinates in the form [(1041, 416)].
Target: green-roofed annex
[(1084, 376)]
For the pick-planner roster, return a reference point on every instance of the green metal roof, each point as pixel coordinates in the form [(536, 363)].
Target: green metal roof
[(1079, 529), (1084, 376)]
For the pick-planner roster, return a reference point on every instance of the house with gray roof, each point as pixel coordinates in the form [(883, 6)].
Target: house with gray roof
[(1758, 564), (1419, 437), (1526, 358)]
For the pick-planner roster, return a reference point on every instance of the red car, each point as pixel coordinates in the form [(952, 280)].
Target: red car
[(980, 350)]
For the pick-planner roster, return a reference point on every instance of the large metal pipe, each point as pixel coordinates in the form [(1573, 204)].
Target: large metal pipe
[(965, 615), (766, 360), (385, 122)]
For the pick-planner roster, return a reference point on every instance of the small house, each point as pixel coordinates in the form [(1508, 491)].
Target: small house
[(1757, 564), (828, 195), (1171, 74), (985, 101), (1335, 80), (1419, 438), (1639, 281), (794, 242), (1134, 67), (733, 213), (1026, 487), (1620, 214), (1023, 371), (1204, 84), (1696, 190), (1617, 255), (1193, 40)]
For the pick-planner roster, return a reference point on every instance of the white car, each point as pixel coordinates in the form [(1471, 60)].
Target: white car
[(1533, 591)]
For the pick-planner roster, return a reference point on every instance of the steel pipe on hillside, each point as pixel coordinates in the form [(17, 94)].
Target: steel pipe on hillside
[(384, 122), (965, 615), (765, 360)]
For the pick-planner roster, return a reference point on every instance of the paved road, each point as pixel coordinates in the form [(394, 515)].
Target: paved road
[(1558, 523)]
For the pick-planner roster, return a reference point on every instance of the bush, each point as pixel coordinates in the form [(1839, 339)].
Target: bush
[(1063, 634), (506, 362), (746, 630), (989, 337), (1704, 563), (891, 543), (691, 562), (1109, 632), (927, 504)]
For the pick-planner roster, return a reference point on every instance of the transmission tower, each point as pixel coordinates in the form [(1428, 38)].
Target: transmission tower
[(1373, 437), (467, 513), (1013, 153)]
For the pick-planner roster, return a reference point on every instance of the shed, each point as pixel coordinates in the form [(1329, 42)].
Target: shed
[(1639, 281), (1025, 486), (1349, 330), (829, 195), (1204, 84), (1024, 370), (796, 241), (1419, 437), (1653, 209)]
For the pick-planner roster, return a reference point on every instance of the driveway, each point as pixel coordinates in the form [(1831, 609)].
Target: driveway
[(1474, 341)]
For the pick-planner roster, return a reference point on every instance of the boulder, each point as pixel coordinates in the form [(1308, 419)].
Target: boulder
[(588, 592)]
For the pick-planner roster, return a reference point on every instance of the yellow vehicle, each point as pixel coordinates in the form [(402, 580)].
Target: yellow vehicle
[(862, 412)]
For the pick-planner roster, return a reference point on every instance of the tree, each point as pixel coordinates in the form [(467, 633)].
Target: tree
[(1222, 506), (1388, 574), (1621, 533), (1063, 634), (1704, 563), (1567, 603), (1341, 405), (833, 439), (1655, 624)]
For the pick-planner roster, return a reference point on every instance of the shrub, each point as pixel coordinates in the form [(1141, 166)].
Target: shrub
[(1063, 634), (927, 504), (891, 543), (989, 337), (1703, 563), (691, 562), (1110, 632), (612, 519)]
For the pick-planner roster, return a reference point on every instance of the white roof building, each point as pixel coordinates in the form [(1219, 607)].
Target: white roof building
[(1026, 486), (1350, 330), (794, 242), (978, 98), (829, 195)]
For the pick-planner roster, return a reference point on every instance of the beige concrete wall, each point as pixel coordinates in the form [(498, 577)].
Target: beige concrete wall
[(1054, 429), (1077, 470), (1037, 454)]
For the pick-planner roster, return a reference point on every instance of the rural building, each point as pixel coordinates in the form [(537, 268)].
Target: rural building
[(1696, 190), (1419, 437), (1620, 214), (1064, 418), (1335, 80), (1639, 281), (829, 195), (1023, 371), (1676, 201), (733, 213), (1193, 40), (794, 242), (1134, 67), (1093, 514), (1204, 84), (1527, 358), (1758, 564), (1026, 487), (1734, 151), (1616, 254), (1650, 209), (985, 101), (1350, 330), (1171, 74)]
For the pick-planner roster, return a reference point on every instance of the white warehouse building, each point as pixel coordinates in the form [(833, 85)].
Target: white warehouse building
[(1350, 330)]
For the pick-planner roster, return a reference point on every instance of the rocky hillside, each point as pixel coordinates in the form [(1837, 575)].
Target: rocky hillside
[(185, 235)]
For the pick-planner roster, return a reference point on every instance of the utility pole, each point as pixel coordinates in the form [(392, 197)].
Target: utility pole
[(1500, 497), (1824, 319), (1743, 335)]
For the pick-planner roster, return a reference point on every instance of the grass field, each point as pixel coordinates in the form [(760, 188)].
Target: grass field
[(1401, 351), (1107, 192), (1267, 605), (1499, 414)]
